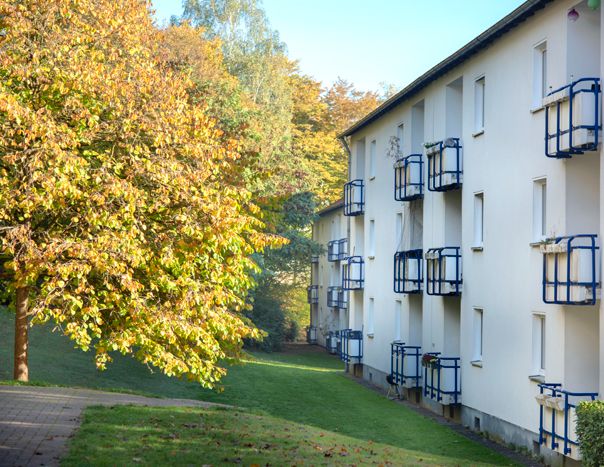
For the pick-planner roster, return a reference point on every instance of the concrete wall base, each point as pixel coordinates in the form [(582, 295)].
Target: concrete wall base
[(492, 427)]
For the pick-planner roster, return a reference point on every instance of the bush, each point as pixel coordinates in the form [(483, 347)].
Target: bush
[(590, 429)]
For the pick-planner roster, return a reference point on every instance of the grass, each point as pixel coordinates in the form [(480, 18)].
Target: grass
[(288, 399), (187, 436)]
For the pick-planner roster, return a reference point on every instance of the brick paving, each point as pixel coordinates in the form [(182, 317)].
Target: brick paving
[(37, 422)]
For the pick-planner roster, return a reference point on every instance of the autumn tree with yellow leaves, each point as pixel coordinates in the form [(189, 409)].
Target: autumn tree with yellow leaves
[(122, 218)]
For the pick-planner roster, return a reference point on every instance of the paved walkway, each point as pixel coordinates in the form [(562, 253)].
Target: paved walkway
[(36, 422)]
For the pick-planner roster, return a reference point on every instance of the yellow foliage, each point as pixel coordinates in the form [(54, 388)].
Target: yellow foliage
[(118, 200)]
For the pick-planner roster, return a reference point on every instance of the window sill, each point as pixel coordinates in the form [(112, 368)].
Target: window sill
[(477, 133), (476, 363), (536, 243), (537, 378), (371, 335), (535, 110), (477, 248)]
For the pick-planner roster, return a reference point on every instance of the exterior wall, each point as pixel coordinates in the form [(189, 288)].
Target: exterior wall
[(503, 277), (331, 225)]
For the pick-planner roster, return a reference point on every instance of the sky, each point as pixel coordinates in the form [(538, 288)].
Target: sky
[(372, 42)]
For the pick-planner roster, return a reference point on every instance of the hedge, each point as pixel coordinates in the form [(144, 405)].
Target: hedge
[(590, 430)]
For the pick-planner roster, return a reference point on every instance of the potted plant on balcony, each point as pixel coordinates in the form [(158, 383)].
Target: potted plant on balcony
[(429, 360)]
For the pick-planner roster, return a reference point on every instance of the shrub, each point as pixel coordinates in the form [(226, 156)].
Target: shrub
[(590, 429)]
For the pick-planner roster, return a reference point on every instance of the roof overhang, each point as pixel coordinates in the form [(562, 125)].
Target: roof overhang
[(520, 14)]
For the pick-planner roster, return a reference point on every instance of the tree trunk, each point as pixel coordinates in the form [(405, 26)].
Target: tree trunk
[(21, 369)]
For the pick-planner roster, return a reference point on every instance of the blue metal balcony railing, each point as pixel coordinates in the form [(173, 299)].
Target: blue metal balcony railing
[(354, 198), (442, 379), (311, 334), (342, 302), (570, 270), (332, 250), (331, 343), (444, 165), (561, 404), (351, 346), (409, 178), (337, 250), (353, 273), (405, 365), (332, 296), (338, 335), (443, 271), (408, 276), (312, 294), (342, 249), (572, 113), (337, 297)]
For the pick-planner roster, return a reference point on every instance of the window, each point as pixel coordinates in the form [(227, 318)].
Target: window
[(372, 156), (539, 74), (478, 220), (539, 210), (479, 105), (398, 307), (538, 344), (372, 238), (478, 334), (399, 231), (400, 136), (370, 310)]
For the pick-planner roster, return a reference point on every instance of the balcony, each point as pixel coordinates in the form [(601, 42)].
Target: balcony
[(312, 294), (311, 335), (337, 297), (443, 268), (353, 273), (351, 346), (409, 178), (408, 276), (442, 378), (571, 270), (405, 361), (354, 198), (332, 342), (337, 250), (572, 118), (444, 165), (557, 418)]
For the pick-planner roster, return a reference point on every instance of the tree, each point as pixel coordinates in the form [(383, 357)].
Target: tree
[(254, 54), (120, 211)]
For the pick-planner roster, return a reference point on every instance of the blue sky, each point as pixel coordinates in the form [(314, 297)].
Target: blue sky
[(369, 42)]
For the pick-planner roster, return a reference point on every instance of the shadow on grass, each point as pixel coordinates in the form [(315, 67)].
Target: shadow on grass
[(305, 387)]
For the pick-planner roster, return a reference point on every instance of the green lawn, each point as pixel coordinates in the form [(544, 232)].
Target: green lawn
[(298, 403)]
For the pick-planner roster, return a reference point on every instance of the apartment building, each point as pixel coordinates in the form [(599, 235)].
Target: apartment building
[(327, 299), (473, 224)]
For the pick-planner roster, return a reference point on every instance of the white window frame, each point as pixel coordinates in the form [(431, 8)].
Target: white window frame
[(478, 242), (539, 340), (372, 158), (539, 209), (540, 88), (478, 335), (398, 313), (371, 317), (371, 239), (479, 105), (399, 231)]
